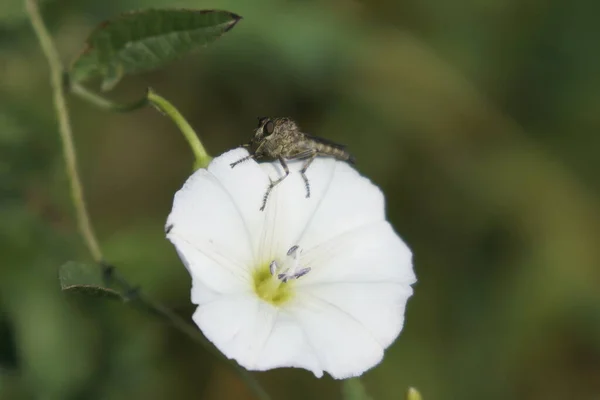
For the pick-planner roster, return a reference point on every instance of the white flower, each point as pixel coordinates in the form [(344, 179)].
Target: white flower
[(319, 283)]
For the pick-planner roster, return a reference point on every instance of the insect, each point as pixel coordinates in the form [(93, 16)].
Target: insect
[(281, 139)]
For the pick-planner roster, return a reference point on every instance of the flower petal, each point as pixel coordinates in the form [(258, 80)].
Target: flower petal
[(342, 344), (350, 202), (214, 275), (260, 337), (365, 274), (344, 312), (287, 347), (277, 228), (216, 320), (207, 231), (245, 184), (371, 253), (378, 307)]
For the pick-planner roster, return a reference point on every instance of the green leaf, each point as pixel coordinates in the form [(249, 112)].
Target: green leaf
[(353, 389), (145, 40), (86, 279)]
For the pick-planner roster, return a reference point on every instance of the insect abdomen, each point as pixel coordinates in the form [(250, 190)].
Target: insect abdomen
[(334, 152)]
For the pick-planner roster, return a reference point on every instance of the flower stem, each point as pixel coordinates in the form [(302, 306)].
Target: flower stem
[(133, 294), (64, 126), (104, 103), (82, 216), (201, 157), (354, 389)]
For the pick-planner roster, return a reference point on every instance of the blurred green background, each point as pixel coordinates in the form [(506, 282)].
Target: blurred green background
[(479, 119)]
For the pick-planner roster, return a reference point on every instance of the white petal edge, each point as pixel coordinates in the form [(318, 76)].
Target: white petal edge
[(344, 348), (371, 253), (340, 326), (377, 308), (212, 274), (366, 276), (351, 201), (205, 217), (353, 298), (255, 334)]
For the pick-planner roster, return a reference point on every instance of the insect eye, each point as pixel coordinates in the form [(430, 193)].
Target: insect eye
[(262, 121), (268, 128)]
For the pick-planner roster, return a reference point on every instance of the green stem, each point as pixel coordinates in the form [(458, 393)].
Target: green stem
[(193, 333), (83, 220), (64, 126), (201, 157), (103, 103), (353, 389), (132, 293)]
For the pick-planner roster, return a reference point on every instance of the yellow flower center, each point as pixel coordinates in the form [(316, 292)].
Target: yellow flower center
[(271, 289)]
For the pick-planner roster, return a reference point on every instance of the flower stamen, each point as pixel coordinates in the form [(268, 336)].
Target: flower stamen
[(292, 272), (292, 250)]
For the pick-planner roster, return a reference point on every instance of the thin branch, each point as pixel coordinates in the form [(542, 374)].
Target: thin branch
[(134, 294), (354, 389), (64, 126), (201, 157), (104, 103), (83, 220)]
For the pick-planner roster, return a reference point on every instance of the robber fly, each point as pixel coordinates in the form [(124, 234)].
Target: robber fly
[(281, 139)]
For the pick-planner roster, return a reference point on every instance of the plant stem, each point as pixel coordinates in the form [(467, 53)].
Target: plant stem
[(82, 216), (201, 157), (132, 293), (193, 333), (104, 103), (354, 389), (64, 126)]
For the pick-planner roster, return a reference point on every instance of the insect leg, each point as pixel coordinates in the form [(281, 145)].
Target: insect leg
[(303, 171), (241, 160), (275, 183)]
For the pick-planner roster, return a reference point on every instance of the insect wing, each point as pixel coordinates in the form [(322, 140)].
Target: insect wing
[(325, 142)]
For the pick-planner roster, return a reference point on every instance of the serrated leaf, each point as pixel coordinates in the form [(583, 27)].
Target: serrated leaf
[(145, 40), (86, 279)]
